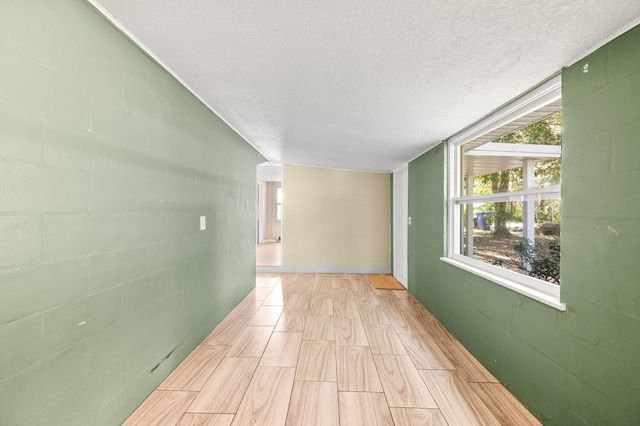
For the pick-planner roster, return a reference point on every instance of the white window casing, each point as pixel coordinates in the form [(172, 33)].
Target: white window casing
[(536, 104)]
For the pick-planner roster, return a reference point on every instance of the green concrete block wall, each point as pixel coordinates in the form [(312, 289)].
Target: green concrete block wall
[(106, 165), (580, 367)]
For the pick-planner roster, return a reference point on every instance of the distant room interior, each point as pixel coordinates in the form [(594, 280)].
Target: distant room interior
[(269, 207)]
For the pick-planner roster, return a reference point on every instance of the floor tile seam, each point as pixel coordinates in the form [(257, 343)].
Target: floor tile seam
[(244, 395), (504, 410), (212, 371), (414, 363), (478, 398), (235, 357), (315, 381)]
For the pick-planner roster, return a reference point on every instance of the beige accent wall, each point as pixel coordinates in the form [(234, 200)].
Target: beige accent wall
[(336, 218)]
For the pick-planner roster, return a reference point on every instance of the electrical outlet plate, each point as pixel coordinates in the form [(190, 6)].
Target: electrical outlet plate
[(203, 223)]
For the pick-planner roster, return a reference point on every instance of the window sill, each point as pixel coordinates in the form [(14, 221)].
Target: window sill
[(549, 298)]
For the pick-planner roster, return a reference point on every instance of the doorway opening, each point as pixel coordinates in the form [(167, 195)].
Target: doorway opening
[(269, 198)]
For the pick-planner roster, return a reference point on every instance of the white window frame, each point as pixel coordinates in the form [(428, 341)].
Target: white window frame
[(278, 218), (537, 289)]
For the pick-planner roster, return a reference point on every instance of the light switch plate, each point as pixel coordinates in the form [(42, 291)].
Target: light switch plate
[(203, 223), (409, 220)]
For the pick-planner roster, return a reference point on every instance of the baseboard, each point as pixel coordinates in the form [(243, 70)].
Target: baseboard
[(325, 269), (402, 281)]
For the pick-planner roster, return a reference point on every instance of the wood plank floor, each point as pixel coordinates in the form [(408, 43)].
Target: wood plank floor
[(320, 349), (268, 254)]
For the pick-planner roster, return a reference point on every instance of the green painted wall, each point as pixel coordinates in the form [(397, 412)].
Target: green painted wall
[(581, 367), (106, 164)]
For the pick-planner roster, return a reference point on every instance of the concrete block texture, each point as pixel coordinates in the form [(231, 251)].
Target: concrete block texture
[(21, 242), (580, 366), (106, 165)]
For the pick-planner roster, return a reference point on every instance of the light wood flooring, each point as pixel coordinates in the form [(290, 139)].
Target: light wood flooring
[(268, 254), (320, 349)]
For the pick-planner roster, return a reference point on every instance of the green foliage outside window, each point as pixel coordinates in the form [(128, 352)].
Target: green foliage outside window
[(538, 260), (544, 132)]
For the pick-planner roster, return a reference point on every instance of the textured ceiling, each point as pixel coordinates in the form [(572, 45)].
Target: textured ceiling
[(270, 172), (362, 84)]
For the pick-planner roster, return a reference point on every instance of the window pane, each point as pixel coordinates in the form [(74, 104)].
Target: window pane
[(278, 204), (502, 236), (526, 158)]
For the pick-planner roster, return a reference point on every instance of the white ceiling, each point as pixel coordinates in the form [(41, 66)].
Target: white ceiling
[(270, 172), (362, 84)]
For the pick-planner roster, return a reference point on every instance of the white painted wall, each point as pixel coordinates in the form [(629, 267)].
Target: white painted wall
[(400, 224), (260, 211)]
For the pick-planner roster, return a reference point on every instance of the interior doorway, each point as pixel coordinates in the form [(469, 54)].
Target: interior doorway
[(269, 198)]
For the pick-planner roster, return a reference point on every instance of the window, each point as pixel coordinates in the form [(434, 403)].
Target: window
[(278, 204), (504, 196)]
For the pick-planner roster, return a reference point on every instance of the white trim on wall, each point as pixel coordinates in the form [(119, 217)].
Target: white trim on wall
[(601, 43), (400, 224), (261, 215), (325, 269)]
